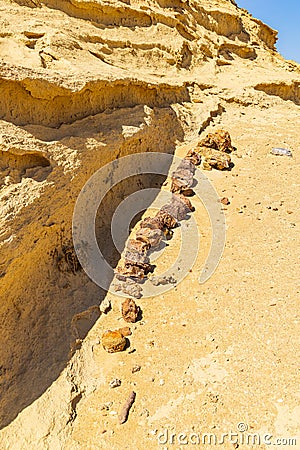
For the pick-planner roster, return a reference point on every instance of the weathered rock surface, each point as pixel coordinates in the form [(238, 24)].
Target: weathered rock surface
[(113, 341), (83, 83), (130, 310)]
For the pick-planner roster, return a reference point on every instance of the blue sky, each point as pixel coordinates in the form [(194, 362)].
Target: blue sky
[(284, 16)]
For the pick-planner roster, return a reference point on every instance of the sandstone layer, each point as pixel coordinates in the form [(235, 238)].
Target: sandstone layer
[(83, 83)]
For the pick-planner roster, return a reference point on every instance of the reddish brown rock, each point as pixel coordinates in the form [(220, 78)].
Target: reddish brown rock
[(225, 201), (152, 223), (137, 245), (166, 219), (182, 180), (125, 331), (186, 201), (130, 270), (176, 208), (129, 287), (113, 341), (220, 140), (186, 164), (193, 157), (154, 237), (130, 310), (136, 257)]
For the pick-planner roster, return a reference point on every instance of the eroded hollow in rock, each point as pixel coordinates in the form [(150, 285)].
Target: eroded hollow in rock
[(27, 165)]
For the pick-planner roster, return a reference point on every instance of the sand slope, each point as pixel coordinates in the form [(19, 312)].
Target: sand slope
[(83, 83)]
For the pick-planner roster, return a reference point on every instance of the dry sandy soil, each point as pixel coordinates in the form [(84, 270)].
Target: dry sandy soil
[(84, 83)]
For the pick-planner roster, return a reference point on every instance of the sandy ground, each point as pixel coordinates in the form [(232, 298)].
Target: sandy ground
[(219, 355), (83, 84)]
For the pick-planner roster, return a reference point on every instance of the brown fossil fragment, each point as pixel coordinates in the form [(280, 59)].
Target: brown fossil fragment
[(166, 219), (123, 416), (193, 157), (186, 164), (186, 201), (220, 140), (182, 180), (151, 222), (134, 245), (179, 188), (156, 281), (136, 257), (176, 208), (153, 236), (131, 270), (146, 267), (130, 310), (129, 287), (214, 158), (113, 341)]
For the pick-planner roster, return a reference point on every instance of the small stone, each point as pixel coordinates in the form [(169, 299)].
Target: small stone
[(225, 201), (136, 368), (146, 413), (105, 406), (161, 382), (125, 331), (115, 383), (105, 306), (113, 341), (130, 310), (129, 287), (131, 350), (156, 281)]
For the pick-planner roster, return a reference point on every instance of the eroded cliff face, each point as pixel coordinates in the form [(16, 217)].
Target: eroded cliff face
[(83, 83)]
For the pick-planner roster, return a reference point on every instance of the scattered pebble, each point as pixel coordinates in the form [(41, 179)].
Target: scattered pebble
[(130, 311), (105, 306), (105, 406), (115, 383), (156, 281), (136, 368), (113, 341), (225, 201), (145, 412), (123, 416), (161, 382), (131, 350)]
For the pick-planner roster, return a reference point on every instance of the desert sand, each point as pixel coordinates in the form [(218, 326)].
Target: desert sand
[(83, 83)]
